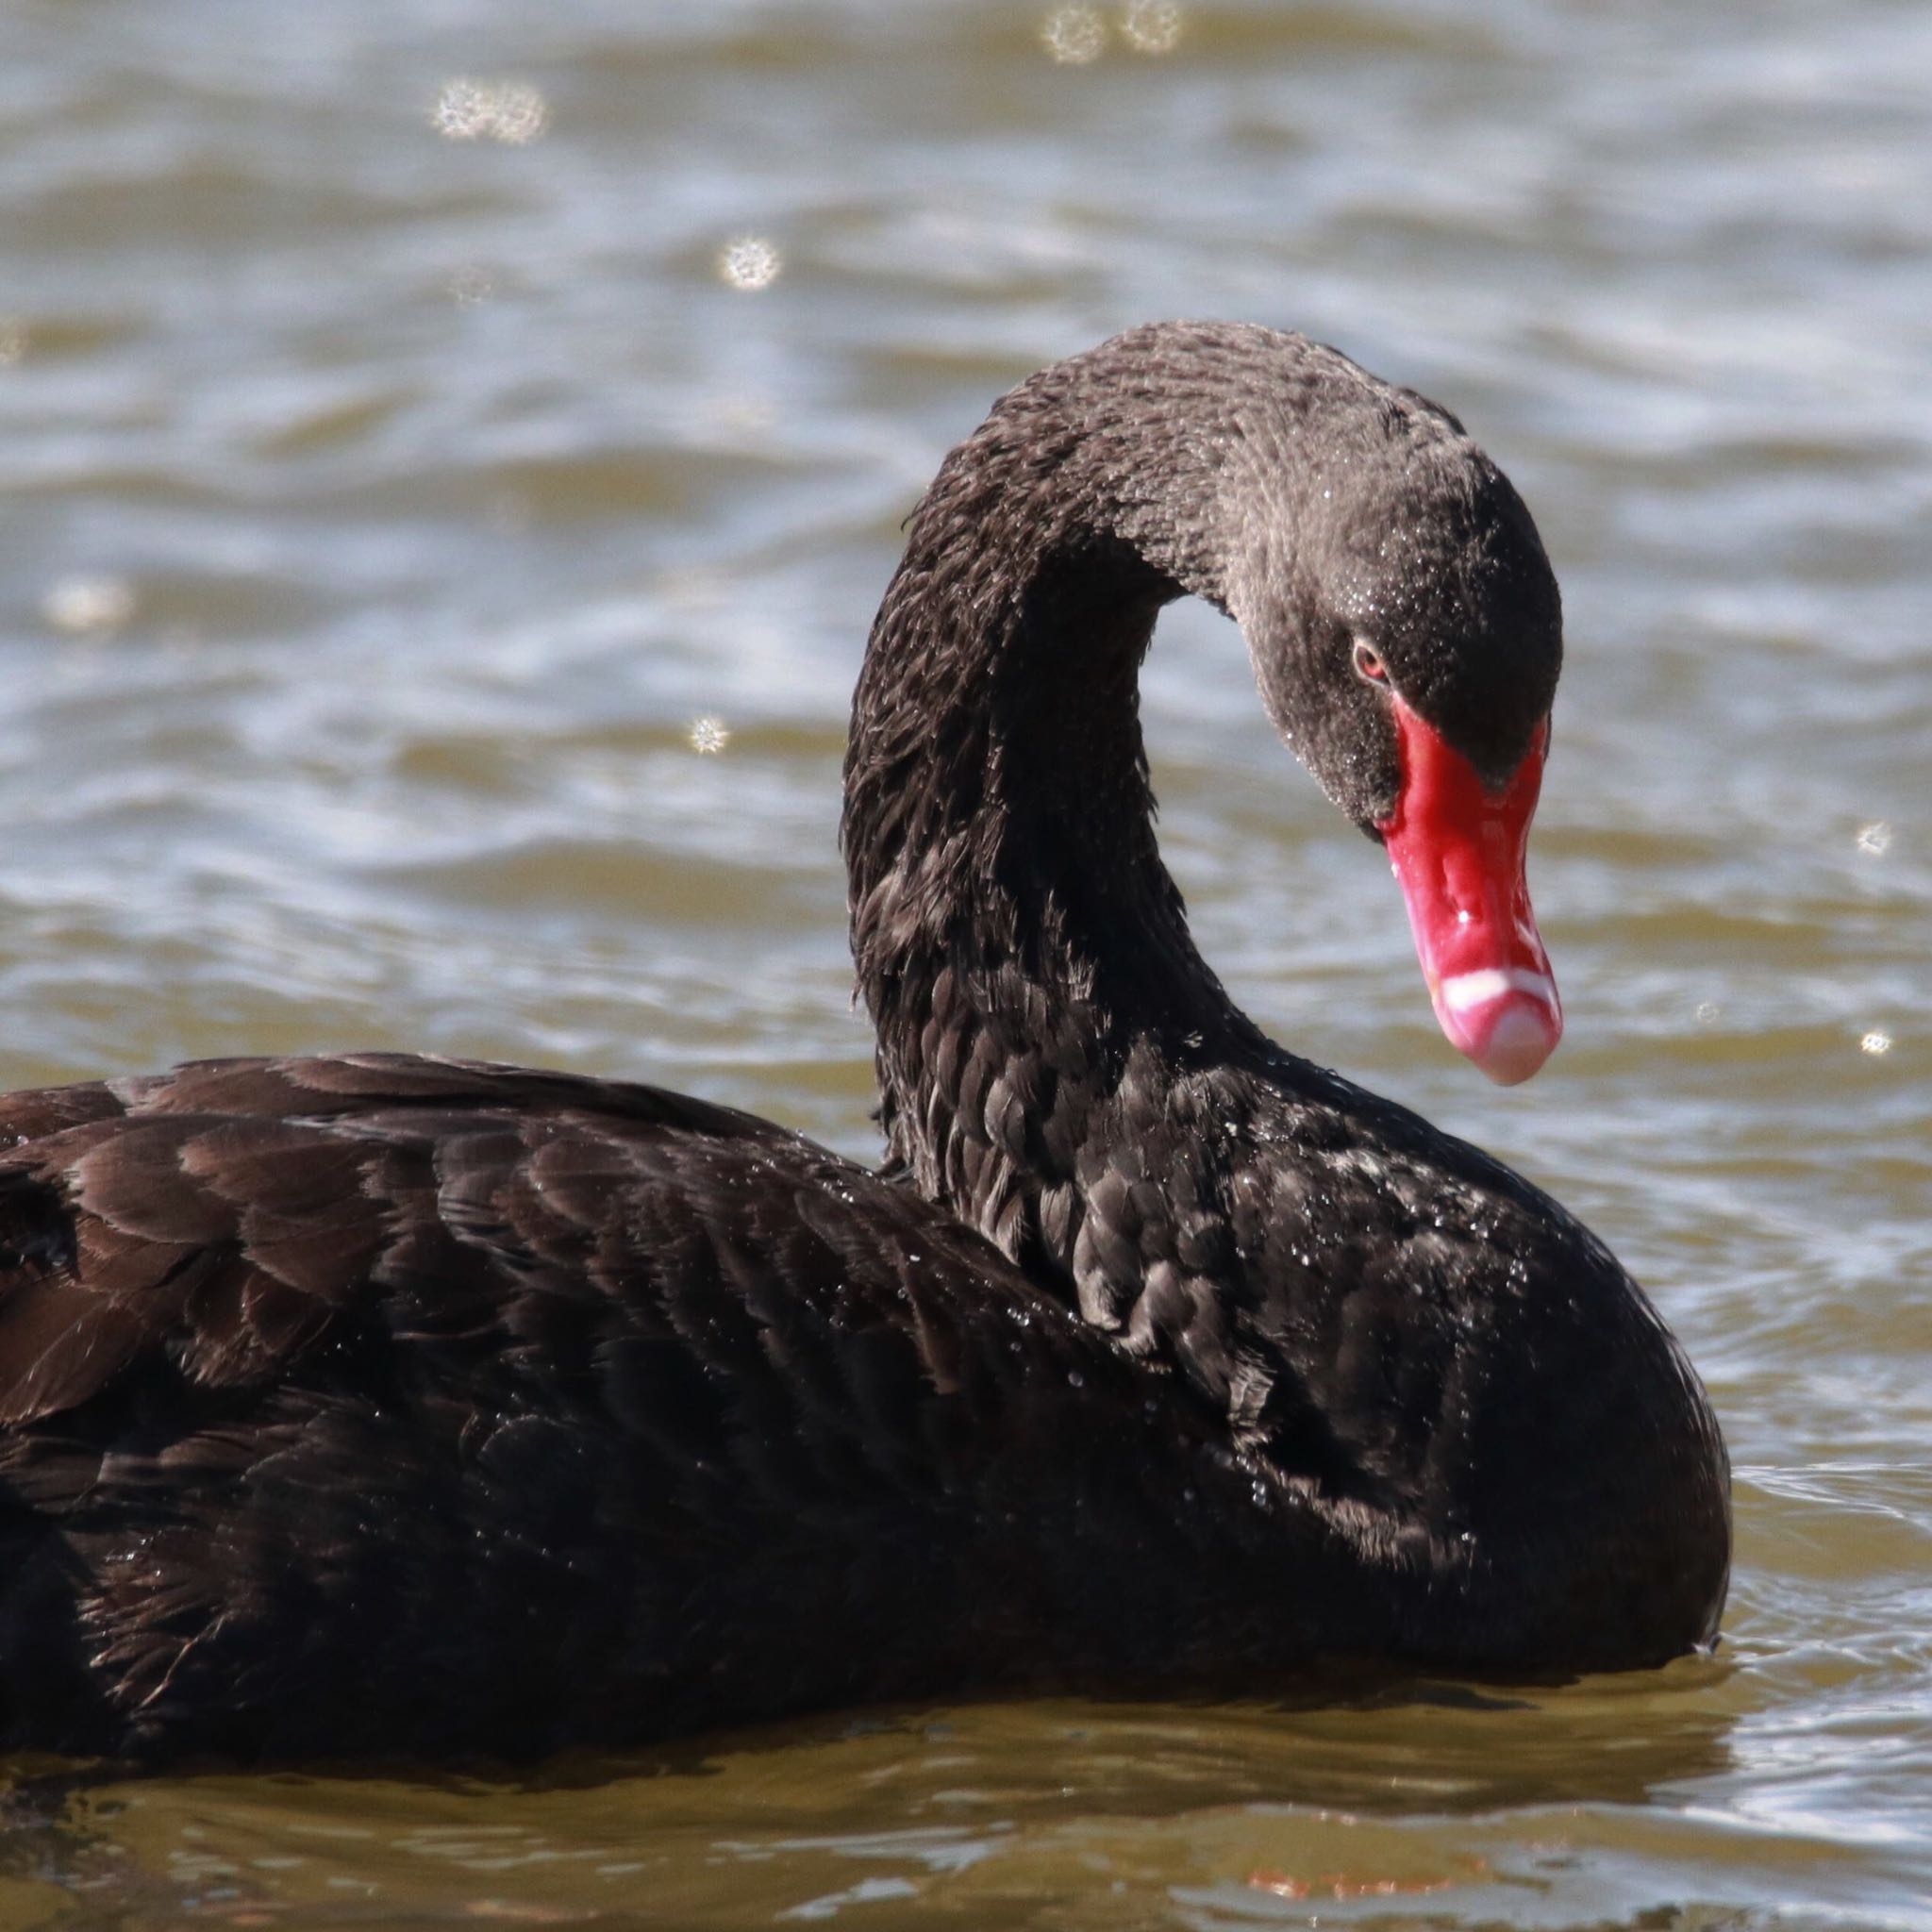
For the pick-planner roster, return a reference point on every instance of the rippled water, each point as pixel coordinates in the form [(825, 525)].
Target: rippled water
[(383, 509)]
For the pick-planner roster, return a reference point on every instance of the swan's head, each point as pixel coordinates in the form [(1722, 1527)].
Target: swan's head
[(1406, 634)]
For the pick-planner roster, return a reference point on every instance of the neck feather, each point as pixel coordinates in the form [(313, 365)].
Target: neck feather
[(1022, 949)]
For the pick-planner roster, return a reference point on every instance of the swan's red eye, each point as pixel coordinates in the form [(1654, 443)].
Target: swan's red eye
[(1369, 664)]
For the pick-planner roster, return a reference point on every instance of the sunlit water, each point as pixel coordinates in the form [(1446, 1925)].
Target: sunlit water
[(449, 457)]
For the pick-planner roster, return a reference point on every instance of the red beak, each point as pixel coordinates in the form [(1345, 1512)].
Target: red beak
[(1458, 852)]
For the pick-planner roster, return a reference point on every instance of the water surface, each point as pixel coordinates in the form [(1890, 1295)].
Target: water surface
[(383, 508)]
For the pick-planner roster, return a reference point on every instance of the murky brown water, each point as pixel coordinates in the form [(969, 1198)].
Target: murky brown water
[(382, 509)]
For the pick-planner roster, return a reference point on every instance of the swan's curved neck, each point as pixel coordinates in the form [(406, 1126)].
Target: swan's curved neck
[(1017, 939), (999, 810)]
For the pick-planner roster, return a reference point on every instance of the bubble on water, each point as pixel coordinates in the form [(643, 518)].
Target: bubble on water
[(510, 111), (709, 737), (1152, 26), (1874, 838), (88, 605), (1875, 1043), (1075, 36), (521, 114), (461, 110), (750, 263), (13, 339), (469, 285), (1708, 1012)]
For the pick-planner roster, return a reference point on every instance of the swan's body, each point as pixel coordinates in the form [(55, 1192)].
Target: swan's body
[(380, 1403)]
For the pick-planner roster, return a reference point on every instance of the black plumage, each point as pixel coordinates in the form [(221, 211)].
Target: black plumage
[(378, 1404)]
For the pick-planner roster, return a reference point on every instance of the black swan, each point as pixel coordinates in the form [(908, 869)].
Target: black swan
[(382, 1405)]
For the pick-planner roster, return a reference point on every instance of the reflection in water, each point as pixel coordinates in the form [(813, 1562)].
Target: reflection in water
[(510, 111), (1075, 36), (964, 1806)]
